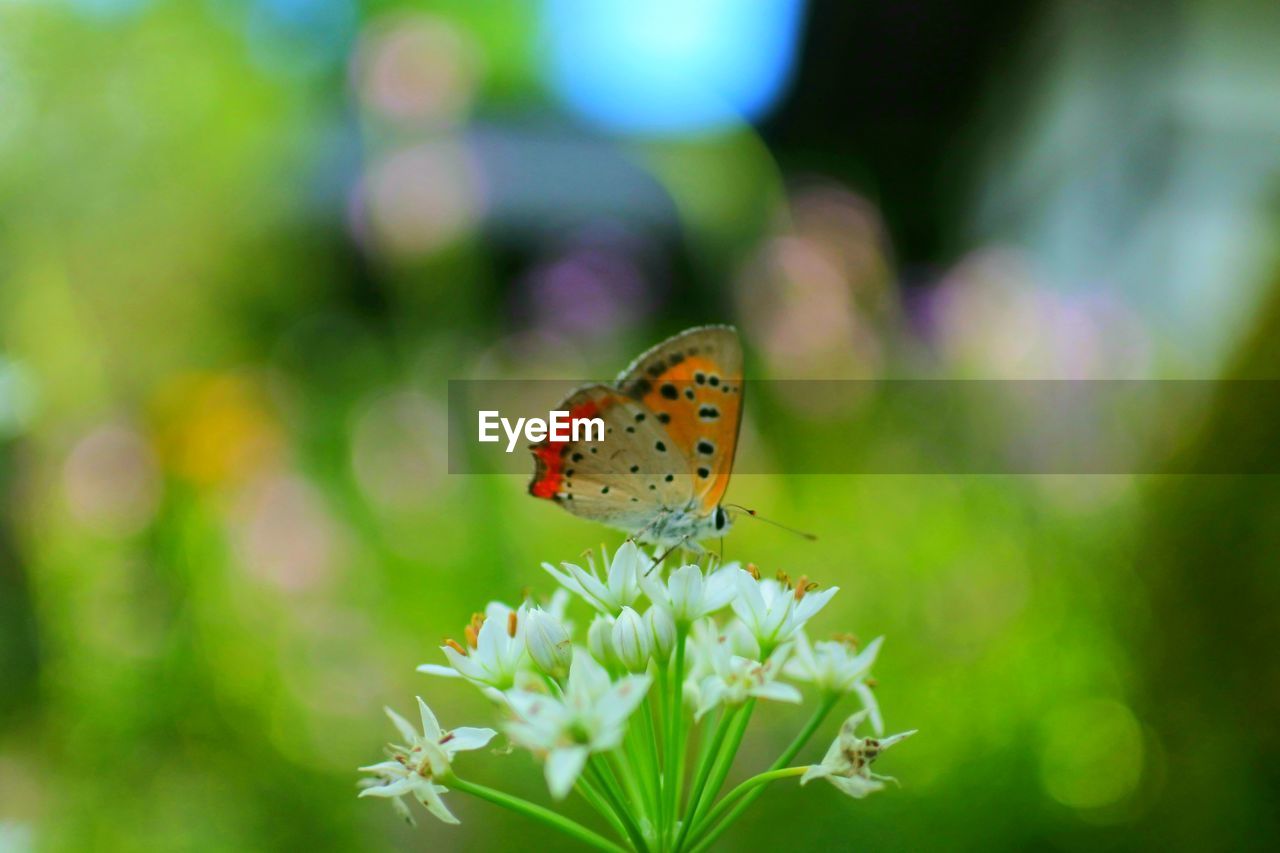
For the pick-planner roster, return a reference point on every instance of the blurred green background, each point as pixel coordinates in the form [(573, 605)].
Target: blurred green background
[(245, 243)]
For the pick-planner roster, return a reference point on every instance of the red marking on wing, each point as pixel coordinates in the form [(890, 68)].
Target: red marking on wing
[(550, 456)]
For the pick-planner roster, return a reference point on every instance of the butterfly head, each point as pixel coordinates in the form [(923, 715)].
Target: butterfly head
[(713, 525), (720, 521)]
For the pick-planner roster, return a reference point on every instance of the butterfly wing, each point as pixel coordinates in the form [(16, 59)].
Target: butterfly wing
[(624, 480), (693, 385)]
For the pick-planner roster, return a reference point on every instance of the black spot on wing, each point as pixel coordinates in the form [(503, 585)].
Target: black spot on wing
[(639, 389)]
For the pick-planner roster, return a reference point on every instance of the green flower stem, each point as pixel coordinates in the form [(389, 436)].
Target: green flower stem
[(536, 812), (636, 763), (597, 801), (608, 786), (647, 752), (661, 734), (753, 786), (724, 761), (829, 701), (704, 772), (788, 755), (675, 743), (705, 732), (628, 767)]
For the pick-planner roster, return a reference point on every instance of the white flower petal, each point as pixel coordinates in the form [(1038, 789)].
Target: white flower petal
[(777, 691), (466, 738), (867, 657), (566, 580), (437, 758), (430, 725), (402, 725), (711, 693), (437, 669), (748, 603), (618, 703), (718, 590), (871, 706), (595, 593), (495, 625), (465, 665), (813, 602), (562, 770), (815, 771), (856, 786), (429, 796), (623, 572), (398, 788), (383, 767)]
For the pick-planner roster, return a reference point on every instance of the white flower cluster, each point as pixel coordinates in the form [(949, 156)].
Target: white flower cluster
[(609, 711)]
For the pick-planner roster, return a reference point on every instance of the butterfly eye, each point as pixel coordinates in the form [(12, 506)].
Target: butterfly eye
[(720, 518)]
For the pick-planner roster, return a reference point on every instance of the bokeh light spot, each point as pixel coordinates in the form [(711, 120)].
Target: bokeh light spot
[(418, 200), (1092, 754), (112, 480), (670, 66), (415, 68)]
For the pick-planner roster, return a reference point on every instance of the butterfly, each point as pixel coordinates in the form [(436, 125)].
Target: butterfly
[(671, 432)]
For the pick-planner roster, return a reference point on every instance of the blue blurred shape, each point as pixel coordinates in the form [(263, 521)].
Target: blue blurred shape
[(670, 66)]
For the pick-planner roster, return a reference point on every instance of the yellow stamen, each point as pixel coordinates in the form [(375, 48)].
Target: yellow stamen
[(753, 571), (512, 619), (803, 586), (455, 645)]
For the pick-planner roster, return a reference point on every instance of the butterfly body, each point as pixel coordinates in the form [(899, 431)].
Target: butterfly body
[(671, 432)]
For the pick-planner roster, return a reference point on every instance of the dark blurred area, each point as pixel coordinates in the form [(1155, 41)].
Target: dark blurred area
[(245, 244)]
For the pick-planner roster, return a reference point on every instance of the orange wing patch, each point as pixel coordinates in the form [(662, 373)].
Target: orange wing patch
[(701, 408)]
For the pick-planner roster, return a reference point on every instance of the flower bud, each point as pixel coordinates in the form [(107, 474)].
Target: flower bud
[(686, 593), (662, 631), (631, 640), (600, 641), (548, 643)]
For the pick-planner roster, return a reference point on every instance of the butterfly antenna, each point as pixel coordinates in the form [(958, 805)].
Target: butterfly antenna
[(758, 517)]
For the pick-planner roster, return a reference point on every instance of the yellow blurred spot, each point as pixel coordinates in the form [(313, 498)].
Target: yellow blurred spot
[(217, 429), (1092, 754)]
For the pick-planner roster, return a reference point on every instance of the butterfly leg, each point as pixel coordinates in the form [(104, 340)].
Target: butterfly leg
[(685, 544)]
